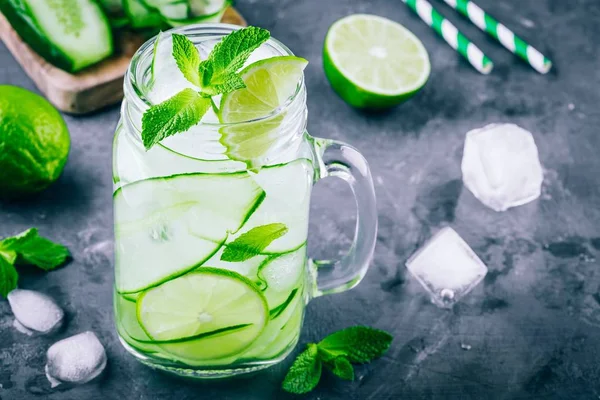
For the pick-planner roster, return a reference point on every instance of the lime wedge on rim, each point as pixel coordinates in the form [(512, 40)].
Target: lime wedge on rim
[(204, 315), (372, 62), (270, 83)]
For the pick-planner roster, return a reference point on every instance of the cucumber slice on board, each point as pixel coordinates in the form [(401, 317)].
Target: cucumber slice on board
[(112, 7), (71, 34), (207, 314), (200, 8), (288, 188), (168, 226), (140, 15), (178, 9), (214, 17)]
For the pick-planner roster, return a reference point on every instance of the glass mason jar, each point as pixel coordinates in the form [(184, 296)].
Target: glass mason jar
[(191, 297)]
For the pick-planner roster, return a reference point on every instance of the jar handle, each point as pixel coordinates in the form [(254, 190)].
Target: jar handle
[(340, 160)]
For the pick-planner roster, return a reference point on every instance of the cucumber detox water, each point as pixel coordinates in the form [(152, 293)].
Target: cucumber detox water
[(211, 224)]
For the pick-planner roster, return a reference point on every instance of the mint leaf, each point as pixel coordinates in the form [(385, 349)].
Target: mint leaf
[(342, 368), (253, 242), (187, 58), (360, 344), (227, 57), (227, 84), (305, 373), (32, 249), (177, 114), (8, 277)]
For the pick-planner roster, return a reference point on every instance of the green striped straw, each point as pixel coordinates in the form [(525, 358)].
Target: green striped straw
[(451, 35), (501, 33)]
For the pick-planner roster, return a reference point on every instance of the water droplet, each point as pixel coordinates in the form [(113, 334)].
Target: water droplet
[(447, 296)]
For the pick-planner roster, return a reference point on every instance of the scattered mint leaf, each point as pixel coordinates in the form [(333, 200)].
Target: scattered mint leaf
[(253, 242), (177, 114), (305, 373), (32, 249), (8, 277), (218, 72), (360, 344), (27, 248), (342, 368), (187, 58)]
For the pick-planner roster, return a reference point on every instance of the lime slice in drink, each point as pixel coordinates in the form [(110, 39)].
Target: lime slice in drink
[(270, 83), (204, 315), (372, 62)]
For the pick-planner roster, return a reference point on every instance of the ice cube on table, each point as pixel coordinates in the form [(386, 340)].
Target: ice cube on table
[(501, 166), (35, 312), (447, 267), (77, 359)]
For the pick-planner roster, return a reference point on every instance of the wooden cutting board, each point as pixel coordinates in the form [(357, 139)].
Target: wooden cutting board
[(95, 87)]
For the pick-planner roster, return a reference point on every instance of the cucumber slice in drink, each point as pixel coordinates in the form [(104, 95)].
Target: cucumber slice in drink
[(275, 338), (287, 336), (248, 268), (287, 201), (126, 311), (71, 34), (281, 275), (128, 326), (131, 163), (270, 83), (168, 226), (207, 314)]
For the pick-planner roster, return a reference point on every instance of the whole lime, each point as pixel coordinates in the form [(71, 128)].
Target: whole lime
[(34, 143)]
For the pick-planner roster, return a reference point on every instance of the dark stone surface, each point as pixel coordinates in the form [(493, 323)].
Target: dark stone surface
[(533, 325)]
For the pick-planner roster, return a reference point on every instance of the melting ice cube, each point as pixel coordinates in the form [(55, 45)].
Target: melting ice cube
[(447, 267), (501, 166), (77, 359), (35, 312)]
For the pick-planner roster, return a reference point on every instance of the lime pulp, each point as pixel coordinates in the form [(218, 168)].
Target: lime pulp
[(373, 62)]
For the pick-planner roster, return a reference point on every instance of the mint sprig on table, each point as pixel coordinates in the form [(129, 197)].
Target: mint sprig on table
[(27, 248), (337, 352), (216, 75)]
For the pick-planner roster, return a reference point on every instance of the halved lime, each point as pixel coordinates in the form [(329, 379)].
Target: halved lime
[(270, 83), (372, 62), (204, 315)]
